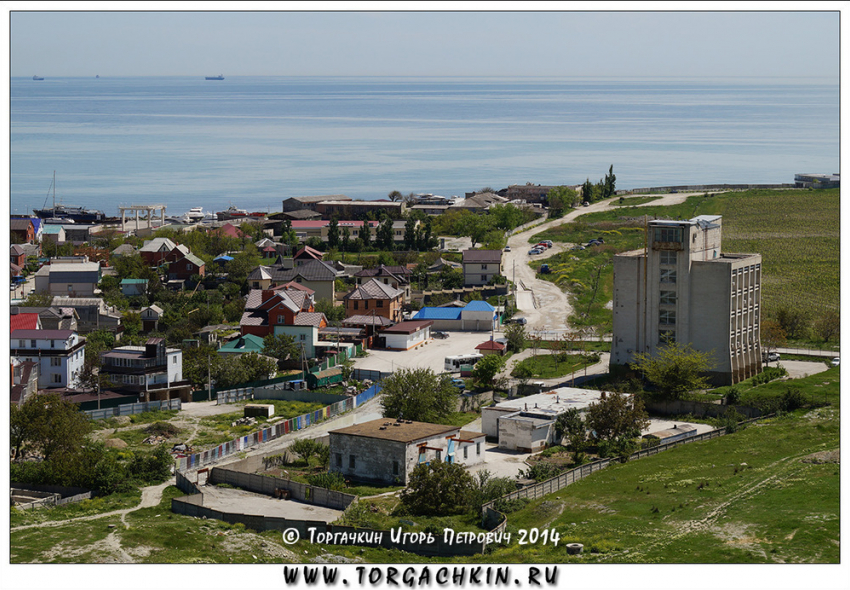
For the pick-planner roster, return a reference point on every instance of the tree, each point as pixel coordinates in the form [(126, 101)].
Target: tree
[(485, 370), (587, 191), (828, 325), (570, 425), (617, 417), (395, 196), (794, 321), (419, 395), (280, 346), (516, 337), (333, 313), (333, 234), (772, 335), (366, 235), (523, 375), (49, 426), (559, 199), (305, 448), (410, 234), (346, 240), (385, 236), (675, 370), (610, 182), (439, 489)]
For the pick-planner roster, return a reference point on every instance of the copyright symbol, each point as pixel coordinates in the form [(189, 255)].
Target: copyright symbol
[(291, 536)]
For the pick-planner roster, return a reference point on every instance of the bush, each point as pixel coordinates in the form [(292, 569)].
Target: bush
[(508, 506), (439, 489), (541, 471), (733, 396), (792, 399), (328, 480)]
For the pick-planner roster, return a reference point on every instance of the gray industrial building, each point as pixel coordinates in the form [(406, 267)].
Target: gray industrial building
[(682, 288)]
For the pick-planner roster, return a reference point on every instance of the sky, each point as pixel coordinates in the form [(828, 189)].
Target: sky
[(422, 43)]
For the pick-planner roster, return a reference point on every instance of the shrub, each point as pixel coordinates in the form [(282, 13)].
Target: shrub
[(328, 480), (792, 399)]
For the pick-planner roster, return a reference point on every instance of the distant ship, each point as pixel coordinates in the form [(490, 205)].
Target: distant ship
[(219, 77), (232, 213), (74, 214), (97, 76), (37, 78)]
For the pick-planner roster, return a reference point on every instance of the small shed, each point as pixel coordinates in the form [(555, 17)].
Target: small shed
[(324, 378), (255, 410), (491, 347)]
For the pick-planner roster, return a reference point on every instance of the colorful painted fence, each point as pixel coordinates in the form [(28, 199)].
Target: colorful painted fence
[(275, 431)]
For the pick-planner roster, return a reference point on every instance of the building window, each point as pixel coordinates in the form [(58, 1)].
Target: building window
[(355, 305), (55, 362), (668, 298), (484, 278), (483, 267), (21, 344), (667, 318), (395, 467), (52, 344), (33, 344), (338, 460), (668, 234), (351, 461), (466, 452), (668, 276), (380, 303), (668, 257), (439, 455), (478, 448), (56, 378)]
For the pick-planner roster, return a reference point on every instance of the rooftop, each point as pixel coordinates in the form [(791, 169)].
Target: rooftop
[(406, 431)]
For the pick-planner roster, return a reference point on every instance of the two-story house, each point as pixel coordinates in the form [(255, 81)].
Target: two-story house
[(186, 267), (480, 266), (71, 277), (375, 297), (153, 371), (59, 354)]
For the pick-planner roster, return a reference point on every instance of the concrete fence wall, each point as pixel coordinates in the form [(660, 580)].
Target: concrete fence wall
[(129, 409), (52, 495), (260, 484), (695, 408)]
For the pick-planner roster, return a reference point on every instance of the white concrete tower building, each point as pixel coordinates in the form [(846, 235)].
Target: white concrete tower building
[(682, 288)]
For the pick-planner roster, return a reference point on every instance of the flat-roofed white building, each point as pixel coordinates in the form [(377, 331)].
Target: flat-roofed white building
[(59, 353), (683, 288), (527, 424)]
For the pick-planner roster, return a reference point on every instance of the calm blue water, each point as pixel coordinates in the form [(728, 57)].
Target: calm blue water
[(254, 141)]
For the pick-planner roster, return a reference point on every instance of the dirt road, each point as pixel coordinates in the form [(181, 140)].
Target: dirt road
[(542, 303)]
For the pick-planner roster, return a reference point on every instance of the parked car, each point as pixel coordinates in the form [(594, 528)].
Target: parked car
[(521, 321), (440, 335), (544, 269), (548, 243), (459, 383), (542, 245), (507, 248), (535, 251), (772, 357), (836, 361), (577, 247)]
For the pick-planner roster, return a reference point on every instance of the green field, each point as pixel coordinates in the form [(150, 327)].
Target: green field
[(796, 232)]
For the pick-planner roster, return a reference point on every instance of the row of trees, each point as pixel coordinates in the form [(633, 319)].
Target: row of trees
[(417, 236)]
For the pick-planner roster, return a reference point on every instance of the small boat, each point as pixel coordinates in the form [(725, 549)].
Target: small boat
[(195, 214), (68, 214), (37, 78), (219, 77), (97, 76)]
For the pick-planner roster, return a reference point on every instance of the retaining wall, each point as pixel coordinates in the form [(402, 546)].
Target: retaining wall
[(129, 409)]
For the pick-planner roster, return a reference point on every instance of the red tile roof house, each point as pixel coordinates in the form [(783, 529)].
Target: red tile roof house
[(17, 256), (228, 230), (24, 321), (22, 231), (306, 254), (267, 308), (375, 296), (185, 268)]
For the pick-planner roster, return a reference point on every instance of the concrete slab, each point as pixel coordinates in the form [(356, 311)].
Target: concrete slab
[(242, 502)]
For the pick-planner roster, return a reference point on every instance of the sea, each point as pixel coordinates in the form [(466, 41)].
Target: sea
[(254, 141)]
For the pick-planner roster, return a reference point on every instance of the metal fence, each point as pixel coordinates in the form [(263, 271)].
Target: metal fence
[(275, 431), (129, 409)]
